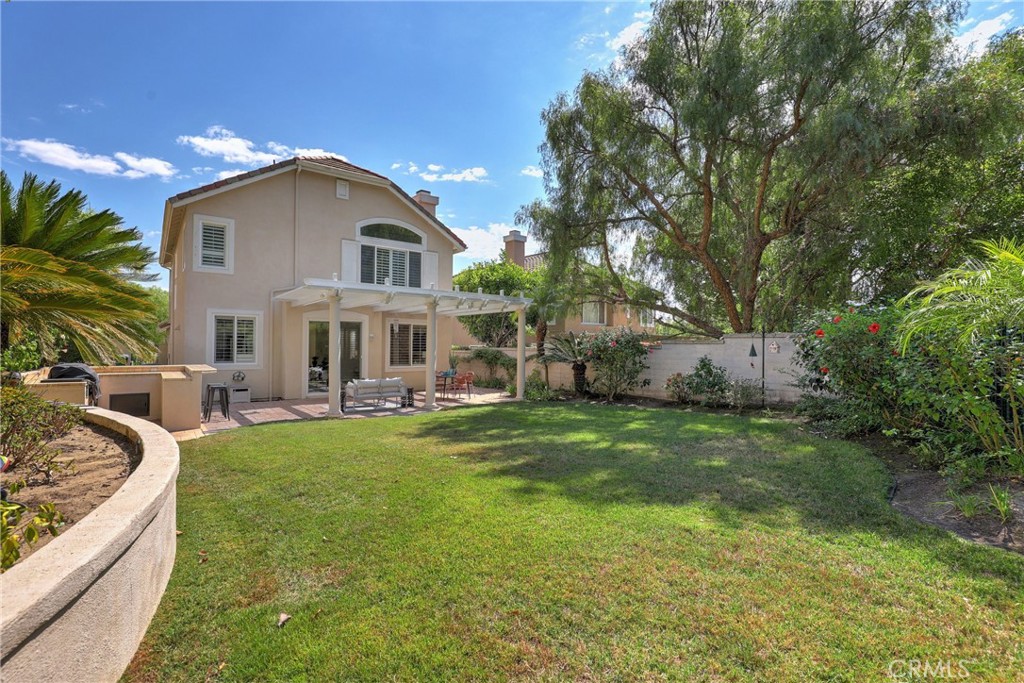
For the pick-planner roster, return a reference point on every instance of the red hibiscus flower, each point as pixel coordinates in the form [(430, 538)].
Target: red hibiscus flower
[(851, 309), (614, 345), (819, 333), (824, 371), (895, 352), (837, 319), (873, 328)]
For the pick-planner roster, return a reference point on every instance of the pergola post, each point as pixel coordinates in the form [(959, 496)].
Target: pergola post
[(521, 356), (334, 356), (428, 403)]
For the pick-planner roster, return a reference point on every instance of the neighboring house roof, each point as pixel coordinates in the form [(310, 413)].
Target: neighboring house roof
[(174, 211), (535, 261)]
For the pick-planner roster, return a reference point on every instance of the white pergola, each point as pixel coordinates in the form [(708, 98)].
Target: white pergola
[(339, 294)]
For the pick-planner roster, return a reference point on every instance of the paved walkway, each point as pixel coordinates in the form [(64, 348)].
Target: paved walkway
[(261, 412)]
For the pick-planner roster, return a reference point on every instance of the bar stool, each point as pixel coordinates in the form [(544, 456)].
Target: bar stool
[(218, 391)]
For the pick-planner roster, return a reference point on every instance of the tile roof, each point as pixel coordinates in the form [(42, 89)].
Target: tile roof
[(326, 161), (535, 261), (332, 162)]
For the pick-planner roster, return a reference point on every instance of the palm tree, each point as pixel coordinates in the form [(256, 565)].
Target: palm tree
[(570, 349), (67, 274), (977, 299), (549, 302)]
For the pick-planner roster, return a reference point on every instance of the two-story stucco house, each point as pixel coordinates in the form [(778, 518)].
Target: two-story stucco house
[(272, 269)]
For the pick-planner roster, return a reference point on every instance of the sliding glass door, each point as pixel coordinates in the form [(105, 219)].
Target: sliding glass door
[(318, 357)]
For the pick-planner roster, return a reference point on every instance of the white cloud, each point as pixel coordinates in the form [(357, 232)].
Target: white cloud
[(413, 168), (63, 155), (396, 165), (200, 170), (483, 243), (75, 107), (435, 167), (140, 167), (284, 151), (532, 171), (643, 16), (477, 174), (975, 41), (628, 35), (588, 39), (608, 9), (221, 142), (968, 21), (233, 172)]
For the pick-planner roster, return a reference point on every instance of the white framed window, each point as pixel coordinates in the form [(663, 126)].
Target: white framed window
[(395, 267), (407, 344), (593, 313), (213, 245), (341, 189), (646, 317), (234, 338)]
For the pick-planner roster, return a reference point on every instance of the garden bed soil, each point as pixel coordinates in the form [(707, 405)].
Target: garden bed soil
[(924, 495), (102, 462)]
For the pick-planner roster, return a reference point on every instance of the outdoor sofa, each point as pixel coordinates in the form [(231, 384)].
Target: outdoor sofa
[(376, 391)]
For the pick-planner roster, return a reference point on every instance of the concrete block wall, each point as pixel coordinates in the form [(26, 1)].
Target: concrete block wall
[(733, 353)]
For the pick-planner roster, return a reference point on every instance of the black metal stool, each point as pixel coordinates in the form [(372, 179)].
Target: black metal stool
[(218, 391)]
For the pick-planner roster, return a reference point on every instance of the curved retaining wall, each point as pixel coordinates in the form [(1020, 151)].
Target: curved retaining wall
[(77, 609)]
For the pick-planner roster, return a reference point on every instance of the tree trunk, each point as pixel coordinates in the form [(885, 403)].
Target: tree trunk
[(542, 334), (579, 377)]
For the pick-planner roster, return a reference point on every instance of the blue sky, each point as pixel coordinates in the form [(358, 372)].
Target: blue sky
[(135, 102)]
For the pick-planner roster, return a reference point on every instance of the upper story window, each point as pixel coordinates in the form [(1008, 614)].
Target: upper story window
[(390, 231), (593, 313), (646, 317), (213, 242), (390, 254)]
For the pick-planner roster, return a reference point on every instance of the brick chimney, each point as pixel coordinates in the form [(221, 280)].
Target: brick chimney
[(427, 201), (515, 248)]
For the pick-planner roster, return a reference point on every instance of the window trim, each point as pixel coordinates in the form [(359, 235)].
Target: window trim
[(391, 244), (198, 221), (211, 338), (603, 311), (387, 350)]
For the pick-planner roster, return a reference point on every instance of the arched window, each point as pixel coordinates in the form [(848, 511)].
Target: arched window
[(390, 231)]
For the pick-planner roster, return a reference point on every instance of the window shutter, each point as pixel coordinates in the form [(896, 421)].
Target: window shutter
[(383, 265), (429, 269), (214, 246), (224, 332), (414, 269), (245, 340), (366, 265), (350, 265), (398, 268)]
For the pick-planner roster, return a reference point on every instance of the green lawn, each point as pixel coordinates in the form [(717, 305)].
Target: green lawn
[(544, 542)]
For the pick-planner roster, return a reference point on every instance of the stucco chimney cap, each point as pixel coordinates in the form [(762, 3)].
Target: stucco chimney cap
[(515, 236)]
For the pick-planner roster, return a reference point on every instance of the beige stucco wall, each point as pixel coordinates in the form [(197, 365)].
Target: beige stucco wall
[(274, 252), (77, 609)]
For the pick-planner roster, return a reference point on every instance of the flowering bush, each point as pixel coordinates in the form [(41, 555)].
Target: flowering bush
[(618, 357), (708, 384), (948, 402)]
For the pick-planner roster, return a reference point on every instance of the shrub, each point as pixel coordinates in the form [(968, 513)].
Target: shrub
[(46, 519), (28, 423), (536, 389), (618, 357), (493, 359), (708, 384), (745, 393), (946, 400)]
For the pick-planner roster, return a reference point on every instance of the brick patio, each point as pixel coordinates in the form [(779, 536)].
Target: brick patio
[(262, 412)]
